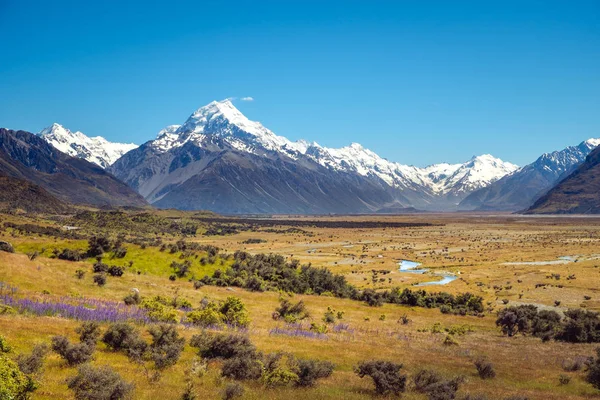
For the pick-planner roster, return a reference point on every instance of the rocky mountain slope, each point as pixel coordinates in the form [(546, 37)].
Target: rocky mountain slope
[(26, 156), (18, 194), (517, 191), (96, 150), (578, 193)]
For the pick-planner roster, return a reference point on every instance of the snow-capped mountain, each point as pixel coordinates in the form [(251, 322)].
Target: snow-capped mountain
[(93, 149), (519, 190), (224, 121), (173, 169)]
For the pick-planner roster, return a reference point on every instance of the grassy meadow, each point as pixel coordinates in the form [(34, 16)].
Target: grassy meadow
[(552, 263)]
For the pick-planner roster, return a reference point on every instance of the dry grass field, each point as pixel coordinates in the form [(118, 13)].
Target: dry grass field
[(503, 258)]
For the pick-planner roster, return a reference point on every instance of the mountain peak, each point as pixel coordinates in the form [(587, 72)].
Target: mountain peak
[(76, 144)]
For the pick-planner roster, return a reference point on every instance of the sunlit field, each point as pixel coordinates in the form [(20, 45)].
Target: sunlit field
[(508, 260)]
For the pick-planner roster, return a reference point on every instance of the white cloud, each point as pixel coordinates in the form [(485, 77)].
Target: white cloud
[(247, 98)]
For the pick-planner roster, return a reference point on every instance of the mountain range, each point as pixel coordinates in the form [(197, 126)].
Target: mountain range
[(96, 150), (517, 191), (27, 157), (578, 193), (220, 160)]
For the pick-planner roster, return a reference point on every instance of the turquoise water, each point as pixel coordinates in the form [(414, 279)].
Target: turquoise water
[(413, 267)]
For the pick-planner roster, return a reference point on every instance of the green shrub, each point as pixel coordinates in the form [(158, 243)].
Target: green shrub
[(4, 346), (291, 312), (232, 312), (209, 316), (385, 375), (158, 311), (14, 384)]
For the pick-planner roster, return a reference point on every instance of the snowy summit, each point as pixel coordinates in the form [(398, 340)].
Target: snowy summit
[(96, 150)]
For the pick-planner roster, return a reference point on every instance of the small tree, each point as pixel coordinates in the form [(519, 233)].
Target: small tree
[(386, 376)]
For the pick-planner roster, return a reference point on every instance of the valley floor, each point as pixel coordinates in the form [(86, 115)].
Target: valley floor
[(506, 259)]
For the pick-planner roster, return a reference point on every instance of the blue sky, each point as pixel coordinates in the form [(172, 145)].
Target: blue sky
[(416, 81)]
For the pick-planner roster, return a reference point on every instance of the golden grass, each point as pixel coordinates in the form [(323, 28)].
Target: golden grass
[(474, 247)]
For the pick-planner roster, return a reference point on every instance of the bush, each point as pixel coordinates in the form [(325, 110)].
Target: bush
[(100, 279), (235, 312), (593, 370), (121, 336), (232, 312), (119, 252), (222, 345), (89, 332), (424, 379), (564, 379), (245, 366), (74, 354), (516, 319), (158, 311), (279, 370), (70, 255), (166, 346), (485, 369), (309, 371), (132, 299), (32, 363), (98, 245), (4, 346), (14, 384), (580, 326), (115, 270), (372, 298), (99, 383), (233, 390), (386, 376), (291, 312), (436, 387)]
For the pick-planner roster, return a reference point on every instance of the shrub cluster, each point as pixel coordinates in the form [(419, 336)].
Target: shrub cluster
[(262, 272), (232, 312), (577, 326), (78, 353), (243, 362)]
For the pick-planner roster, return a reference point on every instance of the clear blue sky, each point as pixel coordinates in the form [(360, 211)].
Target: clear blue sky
[(416, 81)]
